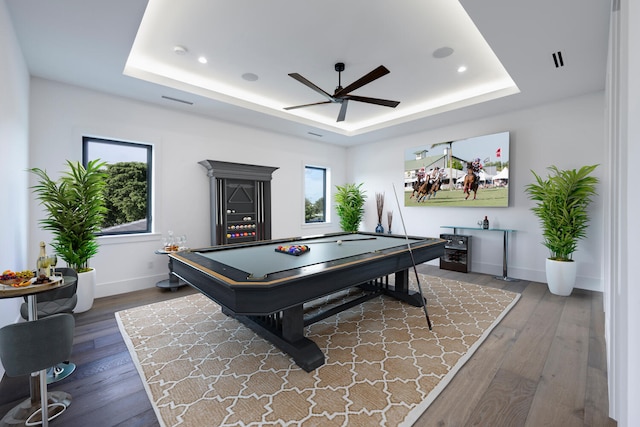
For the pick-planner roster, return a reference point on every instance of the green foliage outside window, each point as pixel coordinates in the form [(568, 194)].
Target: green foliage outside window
[(125, 193), (314, 212)]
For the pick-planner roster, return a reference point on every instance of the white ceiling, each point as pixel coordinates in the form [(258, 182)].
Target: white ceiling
[(127, 48)]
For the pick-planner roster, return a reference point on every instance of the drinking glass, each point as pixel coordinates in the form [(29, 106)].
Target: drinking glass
[(53, 261)]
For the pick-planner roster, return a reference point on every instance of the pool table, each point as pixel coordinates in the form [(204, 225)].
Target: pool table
[(267, 289)]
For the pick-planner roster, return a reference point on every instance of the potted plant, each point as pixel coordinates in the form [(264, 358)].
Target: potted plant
[(350, 200), (75, 209), (563, 199)]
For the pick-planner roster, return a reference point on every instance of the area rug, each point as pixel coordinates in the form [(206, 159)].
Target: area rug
[(383, 364)]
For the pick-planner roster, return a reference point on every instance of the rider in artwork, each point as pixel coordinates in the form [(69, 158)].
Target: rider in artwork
[(434, 174), (437, 176), (476, 166)]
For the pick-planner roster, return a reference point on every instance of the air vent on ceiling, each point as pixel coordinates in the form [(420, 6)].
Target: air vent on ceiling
[(557, 59), (177, 100)]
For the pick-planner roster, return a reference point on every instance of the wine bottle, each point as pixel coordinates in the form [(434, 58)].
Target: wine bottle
[(485, 223), (43, 263)]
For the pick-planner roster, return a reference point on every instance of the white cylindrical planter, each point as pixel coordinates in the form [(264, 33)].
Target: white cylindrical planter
[(86, 290), (561, 276)]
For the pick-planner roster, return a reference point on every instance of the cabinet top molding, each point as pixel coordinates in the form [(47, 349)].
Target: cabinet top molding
[(218, 169)]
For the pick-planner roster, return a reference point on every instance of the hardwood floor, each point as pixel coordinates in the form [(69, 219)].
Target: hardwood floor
[(543, 365)]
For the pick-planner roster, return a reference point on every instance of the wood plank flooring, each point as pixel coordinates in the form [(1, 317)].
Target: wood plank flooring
[(543, 365)]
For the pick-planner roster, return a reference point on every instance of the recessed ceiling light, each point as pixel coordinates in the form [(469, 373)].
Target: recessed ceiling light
[(202, 60), (180, 50), (462, 68), (442, 52), (250, 77)]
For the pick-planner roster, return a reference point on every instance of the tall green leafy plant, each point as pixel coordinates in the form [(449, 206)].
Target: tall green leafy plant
[(563, 198), (75, 210), (350, 200)]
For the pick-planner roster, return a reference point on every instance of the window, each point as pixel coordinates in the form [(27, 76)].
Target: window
[(128, 190), (315, 194)]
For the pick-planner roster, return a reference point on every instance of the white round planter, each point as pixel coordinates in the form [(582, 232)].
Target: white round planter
[(561, 276), (86, 290)]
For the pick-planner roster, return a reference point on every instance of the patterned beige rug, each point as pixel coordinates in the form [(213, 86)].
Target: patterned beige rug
[(383, 365)]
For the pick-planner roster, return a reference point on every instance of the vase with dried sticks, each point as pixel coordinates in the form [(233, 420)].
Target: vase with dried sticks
[(389, 219), (379, 206)]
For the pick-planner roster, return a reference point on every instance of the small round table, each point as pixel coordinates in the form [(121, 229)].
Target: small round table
[(172, 282), (20, 413)]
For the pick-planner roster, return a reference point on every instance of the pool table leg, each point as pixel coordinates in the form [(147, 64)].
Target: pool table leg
[(401, 291), (288, 336)]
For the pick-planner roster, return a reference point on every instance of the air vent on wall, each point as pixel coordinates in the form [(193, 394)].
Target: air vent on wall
[(557, 59), (177, 100)]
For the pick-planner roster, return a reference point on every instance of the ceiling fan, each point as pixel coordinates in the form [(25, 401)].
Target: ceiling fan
[(342, 95)]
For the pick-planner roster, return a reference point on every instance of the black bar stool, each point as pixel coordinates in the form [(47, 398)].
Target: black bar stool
[(29, 347), (61, 300)]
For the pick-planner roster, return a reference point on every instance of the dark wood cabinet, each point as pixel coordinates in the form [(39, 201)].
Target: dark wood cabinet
[(240, 201)]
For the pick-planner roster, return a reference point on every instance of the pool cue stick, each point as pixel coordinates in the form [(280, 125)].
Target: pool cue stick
[(413, 261), (347, 240)]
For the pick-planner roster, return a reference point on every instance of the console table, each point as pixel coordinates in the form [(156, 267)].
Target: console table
[(505, 246)]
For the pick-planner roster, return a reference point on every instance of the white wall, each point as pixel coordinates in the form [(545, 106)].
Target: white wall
[(622, 294), (631, 295), (14, 149), (568, 134), (62, 114)]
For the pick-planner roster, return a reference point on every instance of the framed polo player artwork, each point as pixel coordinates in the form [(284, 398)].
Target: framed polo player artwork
[(472, 172)]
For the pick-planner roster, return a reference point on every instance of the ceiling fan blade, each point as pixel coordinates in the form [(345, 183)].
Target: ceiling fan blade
[(368, 78), (307, 83), (343, 111), (385, 102), (307, 105)]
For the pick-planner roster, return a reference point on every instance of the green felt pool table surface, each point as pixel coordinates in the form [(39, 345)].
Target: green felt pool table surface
[(262, 260)]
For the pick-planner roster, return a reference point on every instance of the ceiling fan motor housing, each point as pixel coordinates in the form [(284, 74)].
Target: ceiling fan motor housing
[(339, 68)]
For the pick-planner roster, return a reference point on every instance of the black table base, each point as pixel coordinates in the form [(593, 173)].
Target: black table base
[(285, 328)]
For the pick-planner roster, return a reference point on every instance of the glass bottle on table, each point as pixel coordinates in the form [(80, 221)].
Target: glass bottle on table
[(485, 223), (43, 264)]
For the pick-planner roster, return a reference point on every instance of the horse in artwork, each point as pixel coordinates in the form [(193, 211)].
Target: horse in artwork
[(416, 188), (421, 190), (428, 189), (470, 183), (435, 187)]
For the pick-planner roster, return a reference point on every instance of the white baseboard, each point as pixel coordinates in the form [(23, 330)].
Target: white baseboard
[(582, 282), (129, 285)]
